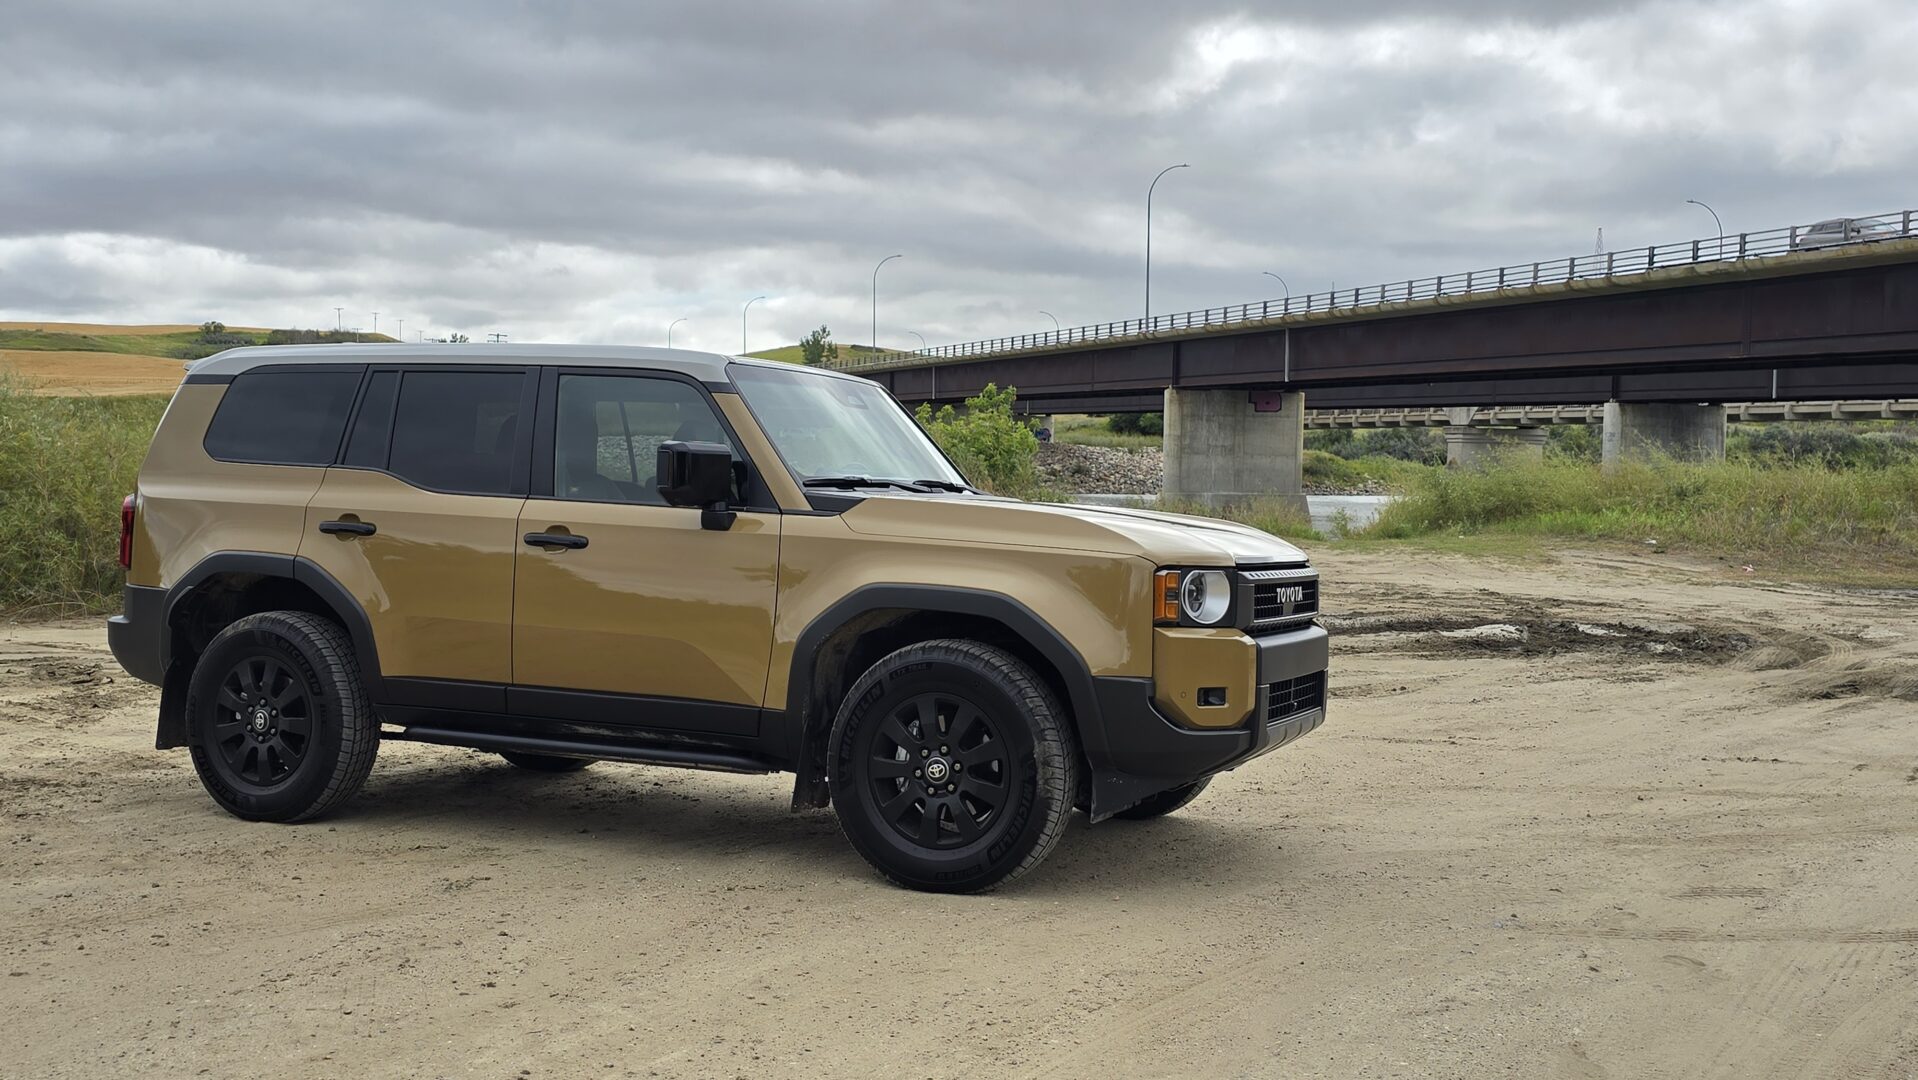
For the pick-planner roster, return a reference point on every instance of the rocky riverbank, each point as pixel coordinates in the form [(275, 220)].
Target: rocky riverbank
[(1109, 470)]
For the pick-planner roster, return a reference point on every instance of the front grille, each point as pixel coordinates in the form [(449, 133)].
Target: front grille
[(1290, 697), (1280, 597)]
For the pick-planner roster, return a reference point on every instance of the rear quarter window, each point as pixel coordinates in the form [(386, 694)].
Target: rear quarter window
[(283, 417)]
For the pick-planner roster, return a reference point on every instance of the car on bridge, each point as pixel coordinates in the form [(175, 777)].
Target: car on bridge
[(573, 554), (1837, 232)]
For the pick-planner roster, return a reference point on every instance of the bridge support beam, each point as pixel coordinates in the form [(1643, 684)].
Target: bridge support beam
[(1230, 446), (1641, 431), (1475, 447)]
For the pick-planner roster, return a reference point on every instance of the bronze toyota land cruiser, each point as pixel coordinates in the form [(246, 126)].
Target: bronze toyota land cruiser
[(572, 554)]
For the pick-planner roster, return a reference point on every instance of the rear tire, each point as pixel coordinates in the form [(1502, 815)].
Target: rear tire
[(546, 763), (278, 722), (952, 767), (1164, 802)]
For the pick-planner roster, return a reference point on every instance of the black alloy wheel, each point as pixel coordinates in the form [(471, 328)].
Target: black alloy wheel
[(263, 722), (278, 722), (951, 766), (939, 771)]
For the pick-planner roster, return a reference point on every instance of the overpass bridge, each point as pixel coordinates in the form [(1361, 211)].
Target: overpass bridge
[(1662, 336)]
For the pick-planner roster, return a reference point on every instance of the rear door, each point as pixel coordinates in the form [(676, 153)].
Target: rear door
[(627, 612), (418, 523)]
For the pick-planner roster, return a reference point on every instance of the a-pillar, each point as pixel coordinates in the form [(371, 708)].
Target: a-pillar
[(1642, 431), (1231, 446)]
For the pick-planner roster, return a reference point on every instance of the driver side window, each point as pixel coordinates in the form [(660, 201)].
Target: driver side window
[(610, 429)]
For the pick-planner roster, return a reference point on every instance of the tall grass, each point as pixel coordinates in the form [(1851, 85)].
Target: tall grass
[(1733, 508), (1279, 518), (65, 464)]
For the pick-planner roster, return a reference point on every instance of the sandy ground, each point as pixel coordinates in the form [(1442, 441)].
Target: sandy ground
[(1679, 842), (105, 374)]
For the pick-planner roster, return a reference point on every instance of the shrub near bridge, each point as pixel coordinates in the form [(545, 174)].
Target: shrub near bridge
[(994, 448)]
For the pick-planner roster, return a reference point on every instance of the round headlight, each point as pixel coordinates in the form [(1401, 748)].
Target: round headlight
[(1205, 595)]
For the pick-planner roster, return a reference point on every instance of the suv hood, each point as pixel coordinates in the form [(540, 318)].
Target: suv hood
[(1165, 539)]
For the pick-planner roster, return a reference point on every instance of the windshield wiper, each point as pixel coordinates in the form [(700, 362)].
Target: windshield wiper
[(849, 482), (947, 485)]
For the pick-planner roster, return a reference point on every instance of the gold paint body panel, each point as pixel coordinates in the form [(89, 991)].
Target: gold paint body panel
[(653, 605), (1097, 602), (436, 580), (192, 506), (1187, 658)]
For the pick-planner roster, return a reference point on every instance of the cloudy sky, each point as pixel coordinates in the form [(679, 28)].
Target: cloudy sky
[(574, 171)]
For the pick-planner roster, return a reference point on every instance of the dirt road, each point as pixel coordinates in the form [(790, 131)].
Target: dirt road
[(1672, 832)]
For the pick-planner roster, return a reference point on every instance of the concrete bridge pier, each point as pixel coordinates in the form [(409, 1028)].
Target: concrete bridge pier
[(1470, 447), (1641, 431), (1230, 446)]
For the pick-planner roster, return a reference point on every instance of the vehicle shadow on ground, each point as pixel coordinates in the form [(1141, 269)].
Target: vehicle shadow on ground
[(666, 814)]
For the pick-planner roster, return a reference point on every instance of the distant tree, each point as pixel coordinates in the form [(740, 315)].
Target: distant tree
[(818, 347), (458, 339), (212, 327)]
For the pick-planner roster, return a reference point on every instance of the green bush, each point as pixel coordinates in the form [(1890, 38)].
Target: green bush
[(1141, 423), (1834, 445), (994, 448), (1733, 508), (65, 464)]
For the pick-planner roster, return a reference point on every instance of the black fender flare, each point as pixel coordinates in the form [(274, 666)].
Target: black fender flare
[(291, 568), (1081, 695)]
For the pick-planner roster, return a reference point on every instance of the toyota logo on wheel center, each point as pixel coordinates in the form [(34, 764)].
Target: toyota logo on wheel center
[(937, 770)]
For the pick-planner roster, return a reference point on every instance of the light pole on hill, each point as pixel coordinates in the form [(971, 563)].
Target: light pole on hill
[(875, 299), (339, 319), (1148, 238), (742, 322)]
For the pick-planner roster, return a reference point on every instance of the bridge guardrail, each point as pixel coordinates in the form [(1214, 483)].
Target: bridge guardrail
[(1902, 224)]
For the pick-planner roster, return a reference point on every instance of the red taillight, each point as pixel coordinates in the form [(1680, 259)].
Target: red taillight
[(126, 532)]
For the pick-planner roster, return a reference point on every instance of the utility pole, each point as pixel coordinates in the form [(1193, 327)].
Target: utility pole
[(497, 337), (742, 322), (339, 319), (1148, 238), (376, 322), (875, 299)]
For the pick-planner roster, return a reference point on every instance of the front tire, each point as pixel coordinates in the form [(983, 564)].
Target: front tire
[(952, 767), (278, 722)]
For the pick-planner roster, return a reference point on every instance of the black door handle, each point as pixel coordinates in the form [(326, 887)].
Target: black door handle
[(555, 540), (348, 528)]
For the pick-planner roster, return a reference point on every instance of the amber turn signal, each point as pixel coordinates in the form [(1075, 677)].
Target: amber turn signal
[(1165, 596)]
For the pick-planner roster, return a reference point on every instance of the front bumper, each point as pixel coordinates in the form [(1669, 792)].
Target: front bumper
[(137, 635), (1136, 751)]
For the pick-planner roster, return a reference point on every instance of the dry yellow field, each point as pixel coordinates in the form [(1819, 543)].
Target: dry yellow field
[(114, 328), (68, 373)]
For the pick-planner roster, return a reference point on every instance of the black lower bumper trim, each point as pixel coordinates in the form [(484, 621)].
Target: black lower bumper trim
[(137, 634)]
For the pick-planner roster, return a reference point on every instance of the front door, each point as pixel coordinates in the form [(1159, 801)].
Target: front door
[(418, 523), (626, 611)]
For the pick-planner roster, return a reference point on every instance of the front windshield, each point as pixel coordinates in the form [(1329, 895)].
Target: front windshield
[(825, 426)]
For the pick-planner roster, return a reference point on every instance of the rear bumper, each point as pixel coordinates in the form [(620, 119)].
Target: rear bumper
[(1135, 751), (137, 635)]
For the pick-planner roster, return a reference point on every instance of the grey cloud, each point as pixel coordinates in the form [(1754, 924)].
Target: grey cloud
[(589, 172)]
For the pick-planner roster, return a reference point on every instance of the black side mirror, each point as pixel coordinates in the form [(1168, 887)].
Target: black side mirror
[(698, 474)]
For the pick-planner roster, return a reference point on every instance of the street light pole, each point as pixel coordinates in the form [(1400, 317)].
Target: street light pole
[(1715, 221), (1281, 281), (1148, 237), (742, 322), (875, 299), (339, 319), (920, 336), (1055, 320), (400, 333), (676, 322), (376, 322)]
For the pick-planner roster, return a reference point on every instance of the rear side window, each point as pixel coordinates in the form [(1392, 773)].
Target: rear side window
[(457, 431), (283, 417)]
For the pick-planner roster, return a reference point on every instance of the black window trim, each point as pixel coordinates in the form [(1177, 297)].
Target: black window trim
[(759, 497), (352, 410), (522, 439)]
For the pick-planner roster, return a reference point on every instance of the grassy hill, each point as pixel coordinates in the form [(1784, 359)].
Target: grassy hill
[(789, 354), (95, 358)]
